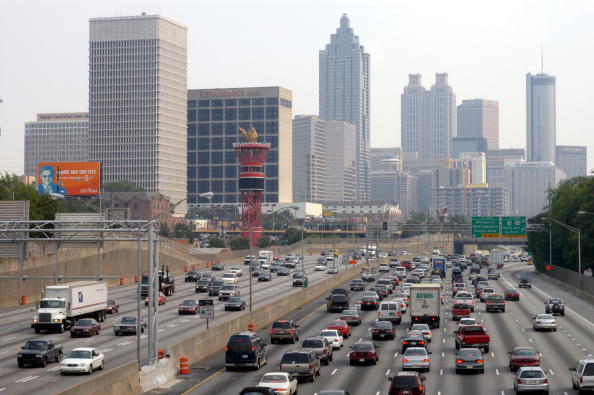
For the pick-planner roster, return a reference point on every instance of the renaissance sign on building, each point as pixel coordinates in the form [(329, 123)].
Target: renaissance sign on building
[(69, 178)]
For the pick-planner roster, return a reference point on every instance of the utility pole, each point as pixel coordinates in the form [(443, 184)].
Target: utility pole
[(150, 295)]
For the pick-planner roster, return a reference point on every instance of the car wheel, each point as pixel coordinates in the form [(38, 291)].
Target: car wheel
[(90, 369), (487, 349), (60, 357), (102, 365), (457, 371), (72, 335), (63, 373), (318, 372), (330, 358), (483, 371), (351, 362), (21, 365)]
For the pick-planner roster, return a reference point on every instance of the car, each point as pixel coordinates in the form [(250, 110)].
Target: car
[(524, 283), (249, 259), (470, 359), (82, 360), (39, 352), (217, 267), (582, 376), (332, 270), (282, 383), (337, 303), (237, 270), (85, 327), (494, 275), (162, 299), (229, 290), (274, 266), (382, 330), (485, 293), (299, 279), (112, 306), (320, 267), (351, 316), (401, 295), (424, 329), (523, 356), (413, 339), (511, 294), (357, 284), (321, 346), (215, 287), (544, 322), (531, 379), (384, 268), (202, 285), (257, 391), (555, 306), (368, 276), (495, 303), (402, 304), (284, 330), (390, 311), (192, 276), (416, 358), (235, 303), (245, 349), (230, 278), (400, 271), (369, 302), (333, 337), (460, 310), (466, 321), (207, 276), (465, 297), (264, 276), (381, 291), (363, 352), (127, 325), (301, 363), (387, 283), (283, 271), (188, 306), (406, 383), (341, 326)]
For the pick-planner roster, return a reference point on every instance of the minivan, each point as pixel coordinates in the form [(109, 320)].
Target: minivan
[(337, 303), (245, 349), (301, 363), (389, 311)]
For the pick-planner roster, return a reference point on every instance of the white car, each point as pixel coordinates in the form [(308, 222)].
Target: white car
[(334, 338), (237, 270), (320, 267), (402, 304), (230, 278), (466, 321), (82, 360), (282, 383), (403, 253), (400, 272), (465, 297), (384, 268), (422, 328)]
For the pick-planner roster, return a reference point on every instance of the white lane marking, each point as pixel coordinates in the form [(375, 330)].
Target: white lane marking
[(502, 392), (334, 371), (52, 369), (442, 354), (9, 338), (443, 341), (186, 320), (516, 321), (106, 350), (361, 339), (583, 349), (444, 329), (4, 352), (492, 355), (540, 354), (572, 340), (171, 325), (497, 372), (441, 372), (523, 329), (388, 372), (124, 343), (551, 372), (565, 393), (2, 389), (143, 336), (578, 344), (160, 330), (438, 392), (25, 379), (377, 393), (530, 340), (396, 354)]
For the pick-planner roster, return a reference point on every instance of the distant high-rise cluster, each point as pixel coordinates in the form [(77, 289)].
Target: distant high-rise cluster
[(479, 118)]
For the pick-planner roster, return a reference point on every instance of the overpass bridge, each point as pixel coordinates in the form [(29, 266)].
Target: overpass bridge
[(460, 242)]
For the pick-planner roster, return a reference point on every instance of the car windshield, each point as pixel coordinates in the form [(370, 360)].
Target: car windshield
[(228, 275), (218, 283), (461, 306), (274, 378), (589, 370), (203, 282), (405, 382), (84, 323), (338, 323), (313, 343), (329, 333), (473, 330), (234, 300), (35, 345), (191, 273), (295, 357), (532, 374), (382, 325), (363, 347), (111, 302), (82, 354), (281, 324), (464, 354), (415, 352), (128, 320), (358, 281), (467, 321), (51, 304), (524, 352), (189, 303)]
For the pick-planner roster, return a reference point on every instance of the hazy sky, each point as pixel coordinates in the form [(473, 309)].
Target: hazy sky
[(487, 47)]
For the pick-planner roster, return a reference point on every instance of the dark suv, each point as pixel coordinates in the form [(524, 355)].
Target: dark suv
[(284, 330), (407, 383), (245, 349), (302, 362), (555, 306), (337, 303)]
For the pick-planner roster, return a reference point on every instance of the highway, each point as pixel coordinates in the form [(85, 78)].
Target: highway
[(15, 330), (560, 350)]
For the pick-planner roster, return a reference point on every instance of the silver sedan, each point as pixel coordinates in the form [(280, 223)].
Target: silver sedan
[(544, 322), (531, 378), (416, 358)]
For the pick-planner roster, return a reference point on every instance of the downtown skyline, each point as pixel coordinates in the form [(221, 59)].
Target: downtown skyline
[(61, 79)]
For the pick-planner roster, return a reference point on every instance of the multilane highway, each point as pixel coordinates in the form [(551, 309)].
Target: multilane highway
[(560, 350), (15, 329)]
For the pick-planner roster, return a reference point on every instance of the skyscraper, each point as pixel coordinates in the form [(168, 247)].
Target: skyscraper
[(479, 118), (540, 118), (573, 160), (62, 137), (309, 159), (137, 102), (428, 118), (344, 94), (341, 160)]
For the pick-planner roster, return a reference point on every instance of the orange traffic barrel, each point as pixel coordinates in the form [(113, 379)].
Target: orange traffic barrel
[(161, 353), (23, 299), (183, 366), (121, 280), (252, 327), (136, 278)]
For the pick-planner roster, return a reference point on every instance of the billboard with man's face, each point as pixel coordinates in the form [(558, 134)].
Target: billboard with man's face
[(69, 178)]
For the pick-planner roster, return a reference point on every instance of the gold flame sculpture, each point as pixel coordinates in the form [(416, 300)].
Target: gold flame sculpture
[(250, 136)]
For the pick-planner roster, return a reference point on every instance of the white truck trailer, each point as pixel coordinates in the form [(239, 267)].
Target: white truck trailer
[(425, 304), (63, 304)]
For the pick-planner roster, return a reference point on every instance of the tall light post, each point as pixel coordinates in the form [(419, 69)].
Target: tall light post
[(302, 253)]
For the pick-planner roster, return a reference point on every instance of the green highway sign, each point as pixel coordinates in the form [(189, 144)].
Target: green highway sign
[(485, 226), (513, 226)]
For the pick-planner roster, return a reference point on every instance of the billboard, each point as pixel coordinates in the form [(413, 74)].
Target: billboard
[(69, 178)]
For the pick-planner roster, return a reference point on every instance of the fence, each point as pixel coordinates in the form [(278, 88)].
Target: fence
[(574, 279)]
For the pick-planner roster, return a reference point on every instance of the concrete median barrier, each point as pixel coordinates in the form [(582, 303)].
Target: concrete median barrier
[(123, 380)]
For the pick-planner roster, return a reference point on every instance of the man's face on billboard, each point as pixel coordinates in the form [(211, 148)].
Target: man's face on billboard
[(47, 177)]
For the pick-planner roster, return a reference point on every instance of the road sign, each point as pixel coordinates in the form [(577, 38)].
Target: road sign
[(485, 226), (513, 226), (207, 312)]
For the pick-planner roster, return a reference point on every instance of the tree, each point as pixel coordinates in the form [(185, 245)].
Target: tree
[(293, 235), (457, 219), (264, 242), (239, 243), (41, 207), (164, 230), (122, 186), (215, 242)]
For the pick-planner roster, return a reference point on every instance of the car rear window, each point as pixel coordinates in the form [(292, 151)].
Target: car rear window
[(295, 357), (589, 370), (415, 351), (339, 298), (313, 344), (460, 306), (473, 330), (239, 344), (524, 352), (281, 324), (532, 374), (362, 347)]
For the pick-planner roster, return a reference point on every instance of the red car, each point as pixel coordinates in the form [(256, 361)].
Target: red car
[(85, 327), (511, 294), (407, 383), (188, 306), (363, 352), (523, 356), (112, 306), (341, 326), (162, 299)]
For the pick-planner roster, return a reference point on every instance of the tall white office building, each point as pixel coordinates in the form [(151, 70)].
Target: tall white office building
[(138, 102), (344, 94), (573, 160), (428, 117), (540, 118), (309, 159), (341, 161)]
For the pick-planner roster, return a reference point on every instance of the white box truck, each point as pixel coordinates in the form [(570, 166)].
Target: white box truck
[(63, 304), (497, 258), (425, 304), (265, 258)]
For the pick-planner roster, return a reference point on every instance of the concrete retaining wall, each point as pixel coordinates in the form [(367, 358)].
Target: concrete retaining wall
[(123, 380), (580, 285)]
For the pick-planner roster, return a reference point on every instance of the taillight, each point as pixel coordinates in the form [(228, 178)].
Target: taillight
[(291, 331), (398, 314), (311, 366), (253, 348), (335, 340), (546, 381), (375, 331), (404, 342), (405, 360), (272, 331), (420, 388), (459, 361), (425, 359), (226, 348), (378, 313), (325, 351), (479, 361), (520, 381), (422, 342)]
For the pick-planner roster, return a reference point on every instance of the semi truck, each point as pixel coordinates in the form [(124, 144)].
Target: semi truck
[(425, 304), (61, 305), (166, 282)]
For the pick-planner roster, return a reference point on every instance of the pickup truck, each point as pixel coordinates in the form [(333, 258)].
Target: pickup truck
[(39, 352), (495, 303), (460, 310), (472, 336)]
